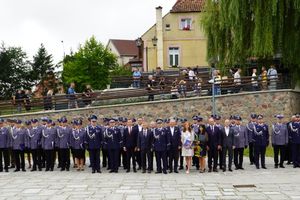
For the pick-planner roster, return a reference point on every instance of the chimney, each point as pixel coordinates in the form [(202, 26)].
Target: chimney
[(159, 35)]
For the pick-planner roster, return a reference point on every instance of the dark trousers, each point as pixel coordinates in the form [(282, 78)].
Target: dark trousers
[(220, 158), (104, 157), (130, 155), (279, 149), (161, 156), (37, 158), (195, 160), (49, 155), (123, 157), (288, 153), (4, 153), (173, 157), (113, 159), (150, 165), (11, 157), (146, 156), (296, 154), (259, 151), (251, 152), (64, 158), (227, 151), (151, 97), (213, 157), (138, 159), (238, 157), (58, 155), (95, 159), (19, 159), (181, 159)]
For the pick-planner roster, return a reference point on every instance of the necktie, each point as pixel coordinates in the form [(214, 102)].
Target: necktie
[(129, 130)]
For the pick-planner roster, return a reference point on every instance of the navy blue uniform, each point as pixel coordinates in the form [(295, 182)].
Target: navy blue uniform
[(113, 143), (48, 144), (35, 145), (4, 145), (94, 143), (161, 143), (63, 143), (174, 135), (280, 139), (250, 132), (294, 135), (261, 141)]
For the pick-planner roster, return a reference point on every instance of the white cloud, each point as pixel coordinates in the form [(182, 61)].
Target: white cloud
[(32, 22)]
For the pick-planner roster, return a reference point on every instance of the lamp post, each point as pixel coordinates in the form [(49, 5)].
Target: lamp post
[(63, 46)]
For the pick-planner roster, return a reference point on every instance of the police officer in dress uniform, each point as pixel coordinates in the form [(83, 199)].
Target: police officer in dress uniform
[(49, 135), (4, 145), (130, 145), (161, 143), (144, 147), (295, 141), (94, 143), (280, 139), (18, 145), (261, 141), (174, 134), (250, 129), (240, 142), (35, 144), (64, 133), (113, 142)]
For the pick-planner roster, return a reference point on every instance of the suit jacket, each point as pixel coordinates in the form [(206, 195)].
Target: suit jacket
[(175, 140), (227, 141), (214, 136), (130, 139), (144, 143)]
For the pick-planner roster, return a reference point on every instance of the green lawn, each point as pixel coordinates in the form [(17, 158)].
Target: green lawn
[(269, 152)]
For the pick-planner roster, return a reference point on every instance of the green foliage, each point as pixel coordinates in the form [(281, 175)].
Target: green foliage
[(89, 65), (238, 30), (42, 63), (121, 71), (15, 71)]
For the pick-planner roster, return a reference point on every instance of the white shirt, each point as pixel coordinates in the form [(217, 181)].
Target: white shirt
[(227, 130), (172, 130), (140, 128), (192, 75), (237, 78)]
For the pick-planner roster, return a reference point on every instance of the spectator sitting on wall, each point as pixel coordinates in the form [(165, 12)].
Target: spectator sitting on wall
[(182, 88), (136, 78), (87, 95), (158, 72), (150, 88)]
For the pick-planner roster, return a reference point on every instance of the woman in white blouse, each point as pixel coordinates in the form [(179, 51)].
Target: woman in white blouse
[(187, 139)]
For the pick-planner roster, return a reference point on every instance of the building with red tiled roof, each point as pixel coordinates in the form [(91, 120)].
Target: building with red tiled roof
[(125, 50), (183, 6)]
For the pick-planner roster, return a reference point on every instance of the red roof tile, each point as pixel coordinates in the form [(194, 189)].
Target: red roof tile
[(188, 6), (126, 47)]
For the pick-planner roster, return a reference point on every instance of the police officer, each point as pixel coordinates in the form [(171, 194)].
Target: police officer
[(161, 143), (113, 142), (18, 145), (64, 133), (240, 142), (49, 135), (280, 139), (121, 126), (104, 149), (250, 129), (35, 144), (94, 143), (144, 146), (4, 144), (130, 145), (261, 141), (295, 141)]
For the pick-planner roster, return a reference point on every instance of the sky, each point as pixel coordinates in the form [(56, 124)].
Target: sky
[(28, 23)]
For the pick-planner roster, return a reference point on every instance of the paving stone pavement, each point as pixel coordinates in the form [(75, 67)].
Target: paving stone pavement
[(269, 184)]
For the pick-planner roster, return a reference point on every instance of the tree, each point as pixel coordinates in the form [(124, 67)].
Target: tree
[(42, 63), (15, 71), (238, 30), (89, 65)]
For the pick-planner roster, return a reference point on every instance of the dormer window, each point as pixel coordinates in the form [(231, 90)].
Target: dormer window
[(186, 24)]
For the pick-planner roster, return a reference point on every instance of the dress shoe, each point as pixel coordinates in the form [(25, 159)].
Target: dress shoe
[(116, 171), (68, 169), (175, 171), (127, 171), (237, 168), (276, 166), (149, 171), (165, 172), (224, 170), (134, 170), (180, 168), (230, 169), (281, 166), (16, 170), (257, 167), (209, 170), (170, 171), (93, 172), (51, 169), (1, 170), (144, 171), (62, 169), (6, 170), (158, 172), (99, 171), (264, 167), (251, 163), (241, 168), (46, 170), (111, 171), (23, 170), (215, 170), (12, 166), (33, 170)]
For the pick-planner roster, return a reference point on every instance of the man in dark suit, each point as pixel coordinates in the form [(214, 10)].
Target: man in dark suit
[(174, 134), (227, 138), (130, 145), (135, 130), (213, 145), (144, 146)]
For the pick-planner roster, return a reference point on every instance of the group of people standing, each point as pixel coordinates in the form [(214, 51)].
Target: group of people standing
[(134, 143)]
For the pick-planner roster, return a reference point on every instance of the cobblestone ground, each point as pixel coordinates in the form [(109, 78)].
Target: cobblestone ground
[(269, 184)]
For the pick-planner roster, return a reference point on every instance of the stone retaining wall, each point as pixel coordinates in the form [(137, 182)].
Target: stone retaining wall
[(268, 103)]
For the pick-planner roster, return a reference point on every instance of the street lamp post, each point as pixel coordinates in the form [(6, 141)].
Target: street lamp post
[(213, 97)]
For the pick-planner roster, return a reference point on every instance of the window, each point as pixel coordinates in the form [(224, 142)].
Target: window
[(173, 56), (168, 27), (186, 24)]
